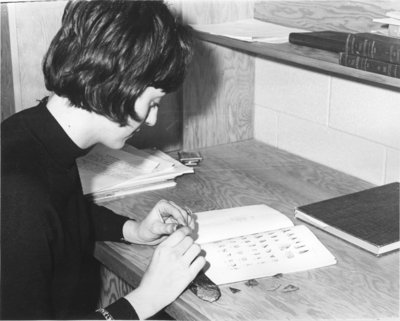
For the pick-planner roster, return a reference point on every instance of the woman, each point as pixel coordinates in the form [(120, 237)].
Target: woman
[(107, 68)]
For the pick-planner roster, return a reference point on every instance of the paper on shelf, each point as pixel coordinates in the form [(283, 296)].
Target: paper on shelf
[(252, 30), (388, 21)]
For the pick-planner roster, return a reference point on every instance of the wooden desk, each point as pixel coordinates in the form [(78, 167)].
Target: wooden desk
[(359, 286)]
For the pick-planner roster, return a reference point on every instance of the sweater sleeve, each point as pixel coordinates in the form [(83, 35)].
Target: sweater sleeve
[(26, 259), (107, 224)]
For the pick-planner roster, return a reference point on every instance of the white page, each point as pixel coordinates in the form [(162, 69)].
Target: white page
[(166, 168), (250, 30), (232, 222), (106, 196), (389, 21), (103, 167), (265, 254)]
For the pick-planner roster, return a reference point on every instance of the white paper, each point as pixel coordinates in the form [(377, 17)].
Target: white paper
[(250, 30), (256, 241), (231, 222), (393, 14), (104, 169), (389, 21), (265, 254), (109, 195)]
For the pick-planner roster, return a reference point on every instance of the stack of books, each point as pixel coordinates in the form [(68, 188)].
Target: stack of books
[(372, 52), (107, 174), (365, 51)]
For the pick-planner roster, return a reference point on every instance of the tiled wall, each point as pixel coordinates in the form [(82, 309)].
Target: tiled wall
[(343, 124)]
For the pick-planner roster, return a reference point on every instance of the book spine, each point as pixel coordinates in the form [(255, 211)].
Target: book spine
[(369, 64), (362, 45), (316, 42)]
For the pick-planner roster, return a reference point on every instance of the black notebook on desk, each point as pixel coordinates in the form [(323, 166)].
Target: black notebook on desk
[(368, 219)]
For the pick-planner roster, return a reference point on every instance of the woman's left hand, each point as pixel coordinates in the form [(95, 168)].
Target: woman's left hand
[(163, 220)]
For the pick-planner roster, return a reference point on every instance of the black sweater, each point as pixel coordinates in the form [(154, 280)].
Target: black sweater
[(48, 229)]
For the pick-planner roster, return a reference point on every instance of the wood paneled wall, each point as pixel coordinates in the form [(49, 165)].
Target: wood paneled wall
[(219, 89), (32, 26), (7, 89), (348, 16)]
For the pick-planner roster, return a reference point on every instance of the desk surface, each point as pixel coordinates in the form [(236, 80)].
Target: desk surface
[(359, 286)]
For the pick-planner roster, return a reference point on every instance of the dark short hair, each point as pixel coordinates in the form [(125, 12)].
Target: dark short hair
[(107, 53)]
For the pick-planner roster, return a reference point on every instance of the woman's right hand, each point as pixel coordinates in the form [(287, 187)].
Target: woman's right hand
[(175, 263)]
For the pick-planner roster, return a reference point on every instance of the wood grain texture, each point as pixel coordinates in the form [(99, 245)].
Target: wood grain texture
[(358, 286), (113, 287), (218, 97), (351, 16), (7, 88), (219, 89), (35, 23), (215, 11)]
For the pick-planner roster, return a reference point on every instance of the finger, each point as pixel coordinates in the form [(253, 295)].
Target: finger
[(160, 228), (184, 213), (176, 237), (197, 265), (182, 247), (170, 209), (191, 253)]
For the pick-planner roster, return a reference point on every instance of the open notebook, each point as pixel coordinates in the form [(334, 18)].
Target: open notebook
[(256, 241)]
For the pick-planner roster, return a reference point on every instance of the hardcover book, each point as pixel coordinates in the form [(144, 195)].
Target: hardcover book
[(374, 46), (368, 219), (326, 40), (369, 64)]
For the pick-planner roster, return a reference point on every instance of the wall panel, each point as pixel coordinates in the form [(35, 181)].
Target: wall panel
[(352, 16), (218, 92)]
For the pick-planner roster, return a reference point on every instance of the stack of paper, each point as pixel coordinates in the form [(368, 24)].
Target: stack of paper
[(107, 173), (249, 30)]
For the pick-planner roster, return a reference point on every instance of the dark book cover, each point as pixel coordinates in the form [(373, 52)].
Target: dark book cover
[(369, 64), (371, 215), (374, 46), (326, 40)]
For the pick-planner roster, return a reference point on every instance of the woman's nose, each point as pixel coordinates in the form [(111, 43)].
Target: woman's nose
[(151, 119)]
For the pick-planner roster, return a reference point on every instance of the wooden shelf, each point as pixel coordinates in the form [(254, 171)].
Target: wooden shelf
[(301, 55)]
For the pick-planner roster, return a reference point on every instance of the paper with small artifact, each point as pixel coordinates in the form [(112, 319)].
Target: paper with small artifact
[(262, 243)]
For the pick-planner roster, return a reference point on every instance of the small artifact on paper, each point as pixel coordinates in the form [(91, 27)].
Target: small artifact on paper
[(251, 283), (290, 288), (234, 290)]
